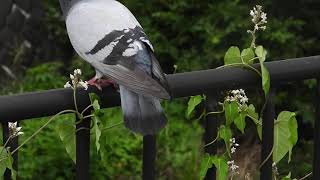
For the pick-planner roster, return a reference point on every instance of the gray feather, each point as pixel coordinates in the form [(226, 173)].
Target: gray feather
[(137, 80), (136, 73), (142, 114)]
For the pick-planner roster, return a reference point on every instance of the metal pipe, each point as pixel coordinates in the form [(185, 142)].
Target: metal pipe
[(267, 137), (46, 103)]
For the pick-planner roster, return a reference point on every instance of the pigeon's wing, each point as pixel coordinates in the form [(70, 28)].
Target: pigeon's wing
[(136, 80), (113, 42), (158, 73)]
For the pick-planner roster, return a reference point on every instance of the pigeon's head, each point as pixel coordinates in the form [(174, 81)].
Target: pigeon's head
[(66, 5)]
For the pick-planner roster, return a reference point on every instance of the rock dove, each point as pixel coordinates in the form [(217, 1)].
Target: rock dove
[(107, 35)]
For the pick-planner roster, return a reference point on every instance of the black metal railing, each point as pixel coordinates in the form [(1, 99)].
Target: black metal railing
[(209, 82)]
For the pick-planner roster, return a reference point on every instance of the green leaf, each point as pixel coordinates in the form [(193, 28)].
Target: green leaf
[(231, 111), (293, 128), (66, 131), (95, 101), (96, 121), (232, 56), (96, 105), (93, 97), (288, 177), (265, 79), (282, 143), (222, 167), (194, 101), (261, 53), (9, 166), (247, 55), (226, 134), (4, 161), (251, 111), (97, 113), (205, 165), (259, 130), (240, 121), (253, 115)]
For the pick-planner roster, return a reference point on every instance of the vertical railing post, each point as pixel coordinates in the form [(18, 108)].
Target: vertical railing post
[(149, 157), (211, 130), (13, 144), (83, 148), (267, 137), (316, 139)]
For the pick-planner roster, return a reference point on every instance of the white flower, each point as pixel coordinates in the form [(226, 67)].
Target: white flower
[(76, 81), (233, 145), (67, 85), (234, 167), (244, 100), (14, 131), (233, 150), (238, 95), (234, 92), (256, 27), (264, 17), (230, 162), (83, 84), (77, 72), (274, 168), (259, 18), (251, 13)]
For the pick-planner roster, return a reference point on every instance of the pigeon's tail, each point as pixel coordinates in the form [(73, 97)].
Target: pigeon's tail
[(142, 114)]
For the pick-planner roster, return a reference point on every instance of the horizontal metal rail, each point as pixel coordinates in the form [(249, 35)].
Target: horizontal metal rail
[(46, 103)]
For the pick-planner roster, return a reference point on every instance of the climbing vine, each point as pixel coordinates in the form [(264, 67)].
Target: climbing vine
[(237, 110), (66, 129)]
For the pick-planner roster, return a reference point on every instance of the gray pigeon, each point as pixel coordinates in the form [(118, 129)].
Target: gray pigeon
[(106, 35)]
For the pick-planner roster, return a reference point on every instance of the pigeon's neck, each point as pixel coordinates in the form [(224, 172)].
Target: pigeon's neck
[(66, 5)]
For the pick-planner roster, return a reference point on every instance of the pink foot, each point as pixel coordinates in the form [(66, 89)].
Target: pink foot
[(100, 83)]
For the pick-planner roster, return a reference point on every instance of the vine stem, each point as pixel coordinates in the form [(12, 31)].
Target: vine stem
[(91, 105), (306, 176), (216, 112), (202, 114), (267, 158), (89, 116), (112, 126), (251, 60), (5, 144), (40, 129), (241, 64), (254, 119), (75, 100), (77, 130), (211, 142)]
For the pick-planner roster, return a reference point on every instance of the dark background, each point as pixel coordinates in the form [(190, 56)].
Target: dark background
[(35, 54)]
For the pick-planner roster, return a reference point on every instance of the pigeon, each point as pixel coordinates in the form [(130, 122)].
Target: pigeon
[(107, 35)]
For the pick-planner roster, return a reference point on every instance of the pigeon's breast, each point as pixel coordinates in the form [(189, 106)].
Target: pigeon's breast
[(89, 22)]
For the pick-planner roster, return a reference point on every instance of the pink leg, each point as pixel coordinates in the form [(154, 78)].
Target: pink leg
[(100, 83)]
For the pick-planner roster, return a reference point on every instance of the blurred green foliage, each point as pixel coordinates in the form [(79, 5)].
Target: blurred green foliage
[(192, 34), (121, 151)]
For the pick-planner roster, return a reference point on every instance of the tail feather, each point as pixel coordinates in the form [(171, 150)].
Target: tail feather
[(142, 114)]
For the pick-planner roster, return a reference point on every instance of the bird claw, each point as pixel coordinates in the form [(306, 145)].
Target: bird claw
[(100, 83)]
